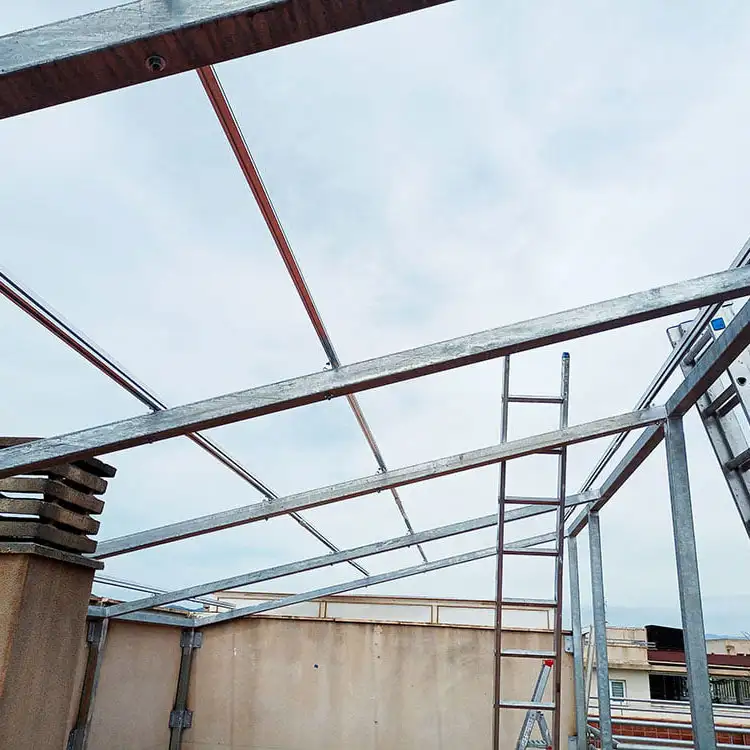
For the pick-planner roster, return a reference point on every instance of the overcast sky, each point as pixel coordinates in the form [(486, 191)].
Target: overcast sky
[(457, 169)]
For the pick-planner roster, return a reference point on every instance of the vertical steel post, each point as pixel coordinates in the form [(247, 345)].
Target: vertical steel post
[(589, 665), (600, 631), (579, 679), (691, 608), (96, 636), (181, 717), (496, 696), (559, 560)]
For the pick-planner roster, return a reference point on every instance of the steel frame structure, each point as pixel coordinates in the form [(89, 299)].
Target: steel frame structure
[(133, 43)]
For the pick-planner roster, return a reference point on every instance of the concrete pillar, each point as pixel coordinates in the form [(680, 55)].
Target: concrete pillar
[(45, 585)]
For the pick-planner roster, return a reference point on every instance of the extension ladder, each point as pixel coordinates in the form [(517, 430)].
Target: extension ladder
[(724, 409), (551, 660)]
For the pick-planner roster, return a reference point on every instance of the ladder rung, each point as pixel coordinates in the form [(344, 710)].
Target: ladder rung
[(527, 705), (535, 399), (531, 551), (516, 500), (525, 653), (739, 462), (539, 603), (723, 403)]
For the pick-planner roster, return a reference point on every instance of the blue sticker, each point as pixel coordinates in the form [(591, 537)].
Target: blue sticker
[(718, 324)]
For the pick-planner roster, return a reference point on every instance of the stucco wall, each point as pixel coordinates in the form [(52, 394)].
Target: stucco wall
[(636, 682), (267, 683), (137, 686)]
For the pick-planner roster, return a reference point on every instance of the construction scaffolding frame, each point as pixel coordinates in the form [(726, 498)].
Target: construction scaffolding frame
[(127, 45)]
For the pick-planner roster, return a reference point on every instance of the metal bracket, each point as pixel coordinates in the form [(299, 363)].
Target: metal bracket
[(191, 639), (181, 719), (568, 644), (73, 737), (94, 631)]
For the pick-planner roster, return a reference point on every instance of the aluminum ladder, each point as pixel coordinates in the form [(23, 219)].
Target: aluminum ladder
[(551, 659), (536, 718), (724, 409)]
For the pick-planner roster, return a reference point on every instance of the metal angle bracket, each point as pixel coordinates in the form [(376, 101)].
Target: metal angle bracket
[(94, 631), (181, 719), (191, 639)]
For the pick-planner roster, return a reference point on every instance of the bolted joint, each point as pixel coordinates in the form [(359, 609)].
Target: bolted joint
[(191, 638), (181, 719)]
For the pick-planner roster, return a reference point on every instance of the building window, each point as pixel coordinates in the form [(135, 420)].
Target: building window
[(617, 690), (666, 687), (728, 690)]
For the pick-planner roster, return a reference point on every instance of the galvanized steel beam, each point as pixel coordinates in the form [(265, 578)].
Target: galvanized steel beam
[(279, 571), (142, 41), (733, 341), (374, 483), (392, 368), (340, 588)]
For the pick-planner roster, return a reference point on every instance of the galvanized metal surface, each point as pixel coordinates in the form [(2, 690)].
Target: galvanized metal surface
[(358, 583), (688, 582), (711, 365), (367, 485), (600, 630), (579, 679), (30, 303), (499, 547), (148, 39), (393, 368)]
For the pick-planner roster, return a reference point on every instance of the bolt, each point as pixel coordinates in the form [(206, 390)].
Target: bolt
[(156, 63)]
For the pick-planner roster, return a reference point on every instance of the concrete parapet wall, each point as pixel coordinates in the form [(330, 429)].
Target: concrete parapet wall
[(291, 684)]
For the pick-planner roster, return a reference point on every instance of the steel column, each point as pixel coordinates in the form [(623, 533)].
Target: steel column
[(579, 679), (600, 631), (562, 467), (96, 637), (496, 694), (181, 717), (691, 607), (709, 367)]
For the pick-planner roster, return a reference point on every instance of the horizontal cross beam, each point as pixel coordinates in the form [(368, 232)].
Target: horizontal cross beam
[(340, 588), (377, 482), (321, 561), (142, 41), (392, 368)]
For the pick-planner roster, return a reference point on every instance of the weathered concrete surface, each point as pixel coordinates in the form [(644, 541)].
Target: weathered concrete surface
[(265, 684), (136, 690), (43, 606), (284, 684)]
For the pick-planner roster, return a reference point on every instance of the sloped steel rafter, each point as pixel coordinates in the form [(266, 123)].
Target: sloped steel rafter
[(148, 39), (670, 366), (30, 303), (198, 621), (392, 368), (236, 139), (721, 354), (324, 561), (394, 575), (378, 482)]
